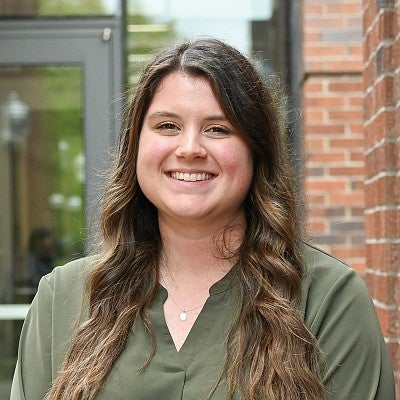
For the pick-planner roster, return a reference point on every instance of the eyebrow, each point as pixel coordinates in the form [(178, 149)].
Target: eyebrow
[(168, 114), (158, 114)]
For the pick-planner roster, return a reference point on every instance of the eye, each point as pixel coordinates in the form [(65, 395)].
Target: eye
[(218, 131), (167, 125), (168, 128)]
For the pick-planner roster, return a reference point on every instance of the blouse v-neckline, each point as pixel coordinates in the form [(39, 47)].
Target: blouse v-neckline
[(203, 327)]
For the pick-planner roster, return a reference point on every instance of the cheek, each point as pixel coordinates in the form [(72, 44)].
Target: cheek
[(150, 154), (145, 161), (238, 165)]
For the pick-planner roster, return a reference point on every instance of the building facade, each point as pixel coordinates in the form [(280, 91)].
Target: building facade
[(351, 139)]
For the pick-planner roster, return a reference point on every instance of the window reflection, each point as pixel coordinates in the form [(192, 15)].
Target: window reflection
[(256, 27), (41, 174)]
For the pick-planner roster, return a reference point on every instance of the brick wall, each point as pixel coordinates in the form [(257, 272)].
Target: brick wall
[(381, 25), (351, 135), (333, 127)]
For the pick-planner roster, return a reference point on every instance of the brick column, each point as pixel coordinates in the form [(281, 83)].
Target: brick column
[(332, 127), (381, 80)]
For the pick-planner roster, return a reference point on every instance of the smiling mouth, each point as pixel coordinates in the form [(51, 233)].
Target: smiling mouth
[(185, 176)]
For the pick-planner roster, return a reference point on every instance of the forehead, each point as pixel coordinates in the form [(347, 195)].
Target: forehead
[(180, 88)]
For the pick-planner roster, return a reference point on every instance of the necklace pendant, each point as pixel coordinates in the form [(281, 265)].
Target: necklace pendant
[(183, 316)]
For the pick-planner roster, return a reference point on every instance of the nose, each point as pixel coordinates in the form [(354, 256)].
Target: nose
[(190, 145)]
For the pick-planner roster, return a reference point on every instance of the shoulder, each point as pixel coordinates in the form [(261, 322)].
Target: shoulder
[(338, 309), (63, 289), (328, 281), (324, 270), (71, 274)]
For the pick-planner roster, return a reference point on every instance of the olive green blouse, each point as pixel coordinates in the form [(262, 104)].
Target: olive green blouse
[(335, 304)]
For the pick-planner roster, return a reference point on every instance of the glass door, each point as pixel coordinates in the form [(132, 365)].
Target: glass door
[(59, 85), (42, 170)]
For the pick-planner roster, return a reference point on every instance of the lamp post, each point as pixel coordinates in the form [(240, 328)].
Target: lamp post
[(15, 117)]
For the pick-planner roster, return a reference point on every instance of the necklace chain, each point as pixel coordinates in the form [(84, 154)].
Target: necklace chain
[(183, 315)]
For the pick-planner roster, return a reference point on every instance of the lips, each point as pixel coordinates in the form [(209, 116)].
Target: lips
[(191, 177)]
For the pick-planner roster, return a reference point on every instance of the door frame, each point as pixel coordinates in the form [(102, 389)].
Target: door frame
[(95, 45)]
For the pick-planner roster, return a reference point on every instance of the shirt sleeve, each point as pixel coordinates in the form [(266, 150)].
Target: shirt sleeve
[(33, 372), (355, 361)]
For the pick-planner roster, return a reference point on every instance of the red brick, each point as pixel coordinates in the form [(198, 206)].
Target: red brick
[(381, 192), (356, 129), (389, 61), (381, 126), (384, 257), (323, 50), (369, 105), (324, 158), (312, 36), (382, 95), (384, 91), (369, 73), (351, 65), (326, 129), (347, 199), (316, 226), (357, 211), (314, 212), (313, 85), (368, 17), (315, 172), (313, 143), (345, 115), (323, 101), (356, 50), (389, 321), (381, 224), (325, 185), (383, 288), (312, 23), (356, 101), (372, 39), (356, 156), (386, 25), (394, 351), (347, 143), (313, 115), (353, 85), (359, 265), (382, 158), (347, 171), (347, 252)]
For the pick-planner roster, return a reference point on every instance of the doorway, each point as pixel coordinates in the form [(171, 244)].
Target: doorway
[(60, 99)]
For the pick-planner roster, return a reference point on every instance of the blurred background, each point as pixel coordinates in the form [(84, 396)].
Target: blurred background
[(67, 67)]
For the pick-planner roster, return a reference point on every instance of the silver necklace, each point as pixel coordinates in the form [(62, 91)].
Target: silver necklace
[(183, 313)]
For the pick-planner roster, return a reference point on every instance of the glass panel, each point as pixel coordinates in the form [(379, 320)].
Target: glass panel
[(58, 8), (256, 27), (42, 177)]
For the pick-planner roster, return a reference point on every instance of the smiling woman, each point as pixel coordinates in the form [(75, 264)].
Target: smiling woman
[(191, 163), (203, 287)]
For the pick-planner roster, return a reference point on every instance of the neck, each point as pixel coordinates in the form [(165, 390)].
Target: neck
[(195, 251)]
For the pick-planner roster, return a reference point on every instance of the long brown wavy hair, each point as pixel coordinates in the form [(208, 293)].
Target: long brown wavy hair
[(271, 354)]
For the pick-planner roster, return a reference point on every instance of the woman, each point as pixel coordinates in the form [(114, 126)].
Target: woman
[(203, 288)]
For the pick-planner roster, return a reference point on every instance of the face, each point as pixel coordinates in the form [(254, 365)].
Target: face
[(192, 163)]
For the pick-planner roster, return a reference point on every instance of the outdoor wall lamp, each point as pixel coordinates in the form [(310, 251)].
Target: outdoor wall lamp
[(15, 120)]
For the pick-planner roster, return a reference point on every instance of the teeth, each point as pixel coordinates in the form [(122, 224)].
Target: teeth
[(191, 177)]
